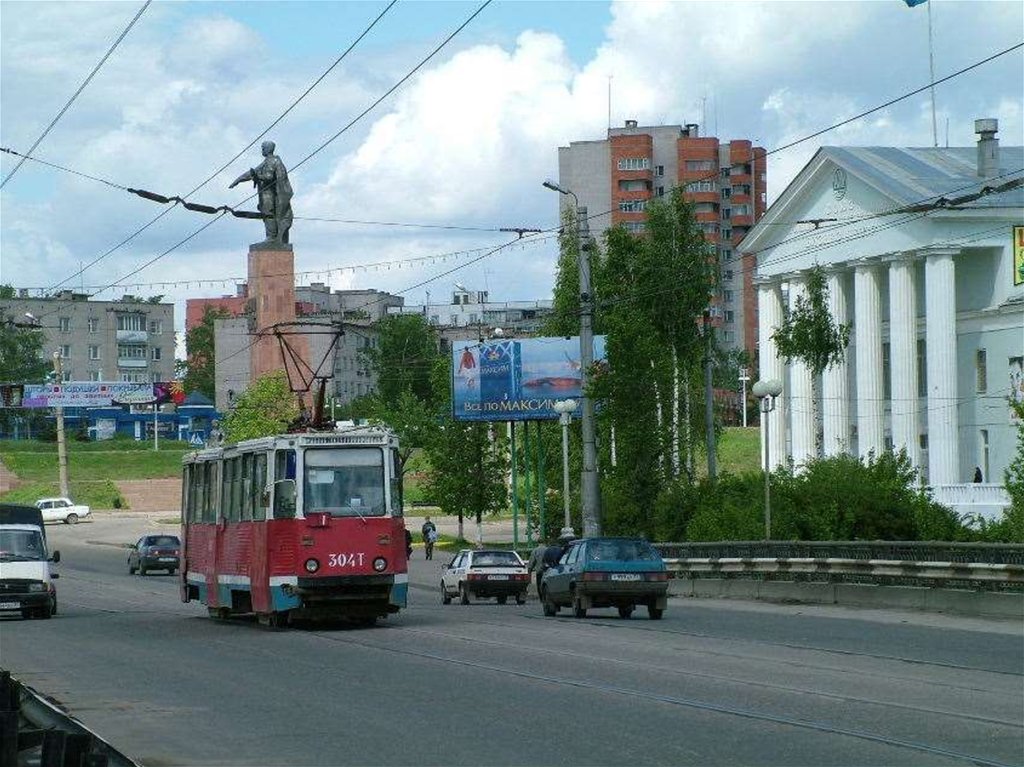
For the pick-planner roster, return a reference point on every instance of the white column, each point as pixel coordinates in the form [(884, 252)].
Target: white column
[(834, 389), (903, 355), (940, 313), (769, 307), (801, 391), (868, 331)]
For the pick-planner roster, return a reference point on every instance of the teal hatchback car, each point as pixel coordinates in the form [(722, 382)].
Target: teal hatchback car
[(607, 572)]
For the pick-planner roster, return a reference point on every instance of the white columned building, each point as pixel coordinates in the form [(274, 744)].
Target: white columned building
[(835, 394), (935, 300)]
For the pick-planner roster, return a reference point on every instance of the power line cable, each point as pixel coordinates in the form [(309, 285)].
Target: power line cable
[(74, 96), (280, 117)]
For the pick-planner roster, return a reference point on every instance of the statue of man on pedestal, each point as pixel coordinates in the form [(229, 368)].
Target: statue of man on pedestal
[(271, 180)]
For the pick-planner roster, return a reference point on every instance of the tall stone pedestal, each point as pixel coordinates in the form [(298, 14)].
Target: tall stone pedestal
[(272, 292)]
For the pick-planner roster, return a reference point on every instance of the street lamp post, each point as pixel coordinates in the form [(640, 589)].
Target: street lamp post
[(590, 489), (744, 378), (565, 408), (767, 391), (62, 448)]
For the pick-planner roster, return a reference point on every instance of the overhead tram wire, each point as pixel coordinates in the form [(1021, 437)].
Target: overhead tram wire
[(213, 175), (324, 145), (81, 88)]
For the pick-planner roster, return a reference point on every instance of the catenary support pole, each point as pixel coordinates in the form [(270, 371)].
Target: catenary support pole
[(62, 447), (514, 483), (709, 402), (591, 491)]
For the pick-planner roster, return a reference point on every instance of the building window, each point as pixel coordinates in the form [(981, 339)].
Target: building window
[(156, 327), (704, 207), (726, 172), (708, 227), (983, 458), (922, 368), (454, 319), (94, 375), (726, 193), (981, 371), (661, 191), (742, 210), (128, 352), (155, 377), (635, 163), (728, 336), (727, 296), (66, 376), (433, 319), (65, 351), (94, 352), (94, 324), (64, 324), (632, 206), (922, 441), (133, 378), (727, 275), (700, 165), (886, 371), (726, 213), (730, 316), (659, 170), (726, 234), (695, 187), (726, 254), (634, 185), (635, 226), (131, 322), (154, 353)]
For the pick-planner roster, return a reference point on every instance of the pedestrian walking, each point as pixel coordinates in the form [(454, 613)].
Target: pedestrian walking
[(429, 531)]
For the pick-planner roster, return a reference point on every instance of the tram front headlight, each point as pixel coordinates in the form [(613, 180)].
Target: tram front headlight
[(379, 564), (312, 565)]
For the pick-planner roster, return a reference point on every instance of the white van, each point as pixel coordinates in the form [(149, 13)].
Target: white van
[(26, 583)]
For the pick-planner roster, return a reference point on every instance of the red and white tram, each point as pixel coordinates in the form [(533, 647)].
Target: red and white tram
[(304, 525)]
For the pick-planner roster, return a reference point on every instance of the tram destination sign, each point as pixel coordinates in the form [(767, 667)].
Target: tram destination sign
[(516, 379)]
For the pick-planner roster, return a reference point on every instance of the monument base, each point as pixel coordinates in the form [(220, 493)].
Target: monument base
[(271, 277)]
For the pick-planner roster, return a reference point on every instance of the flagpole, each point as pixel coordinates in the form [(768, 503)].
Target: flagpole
[(931, 69)]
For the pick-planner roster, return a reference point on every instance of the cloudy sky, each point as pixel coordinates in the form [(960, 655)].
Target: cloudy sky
[(465, 142)]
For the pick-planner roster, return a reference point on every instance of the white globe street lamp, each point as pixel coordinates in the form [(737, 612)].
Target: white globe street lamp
[(767, 391), (565, 408)]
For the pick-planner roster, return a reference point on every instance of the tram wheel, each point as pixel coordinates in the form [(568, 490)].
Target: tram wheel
[(272, 621)]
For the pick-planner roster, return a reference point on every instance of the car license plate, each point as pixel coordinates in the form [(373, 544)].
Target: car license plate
[(9, 605), (497, 577), (166, 559), (626, 577)]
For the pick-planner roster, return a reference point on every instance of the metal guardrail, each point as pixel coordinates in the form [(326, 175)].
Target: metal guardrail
[(34, 731), (977, 566), (936, 571)]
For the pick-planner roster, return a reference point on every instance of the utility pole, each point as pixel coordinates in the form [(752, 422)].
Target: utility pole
[(591, 491), (709, 403), (62, 448)]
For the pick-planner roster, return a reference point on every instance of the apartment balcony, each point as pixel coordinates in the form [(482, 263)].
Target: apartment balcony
[(132, 336), (132, 362)]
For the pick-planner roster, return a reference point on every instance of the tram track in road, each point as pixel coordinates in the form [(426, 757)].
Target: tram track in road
[(573, 624), (671, 700), (723, 678)]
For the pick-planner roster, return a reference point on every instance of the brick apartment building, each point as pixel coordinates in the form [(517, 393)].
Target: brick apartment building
[(617, 176)]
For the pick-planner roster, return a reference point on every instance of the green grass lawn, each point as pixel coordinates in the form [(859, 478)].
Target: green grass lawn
[(739, 450), (35, 461), (102, 494)]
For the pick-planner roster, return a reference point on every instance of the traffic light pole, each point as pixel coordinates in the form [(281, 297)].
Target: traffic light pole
[(62, 448)]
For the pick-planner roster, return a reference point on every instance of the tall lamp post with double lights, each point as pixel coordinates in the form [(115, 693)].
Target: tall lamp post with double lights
[(591, 494), (565, 408), (767, 391)]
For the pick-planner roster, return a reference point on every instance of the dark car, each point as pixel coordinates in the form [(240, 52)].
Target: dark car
[(155, 552), (607, 572)]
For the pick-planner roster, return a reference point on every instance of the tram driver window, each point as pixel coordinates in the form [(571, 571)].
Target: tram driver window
[(344, 482), (284, 492)]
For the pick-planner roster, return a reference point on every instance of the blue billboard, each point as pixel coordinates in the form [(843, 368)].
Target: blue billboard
[(516, 379)]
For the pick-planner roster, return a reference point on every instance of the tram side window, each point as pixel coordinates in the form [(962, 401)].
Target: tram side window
[(284, 492), (225, 490), (186, 494), (234, 507), (246, 510), (396, 484), (259, 484), (212, 480)]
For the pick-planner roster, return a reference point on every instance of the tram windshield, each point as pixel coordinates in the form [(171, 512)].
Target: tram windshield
[(344, 482)]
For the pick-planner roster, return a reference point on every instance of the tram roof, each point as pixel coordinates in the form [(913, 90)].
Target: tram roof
[(346, 435)]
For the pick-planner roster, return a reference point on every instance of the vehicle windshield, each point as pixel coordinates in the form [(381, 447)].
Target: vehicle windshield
[(621, 551), (344, 482), (496, 559), (162, 540), (21, 546)]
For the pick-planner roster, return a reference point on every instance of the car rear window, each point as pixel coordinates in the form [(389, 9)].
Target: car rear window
[(496, 559), (622, 551), (163, 540)]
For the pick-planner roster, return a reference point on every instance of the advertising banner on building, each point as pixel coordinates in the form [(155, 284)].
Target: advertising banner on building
[(516, 379), (83, 394)]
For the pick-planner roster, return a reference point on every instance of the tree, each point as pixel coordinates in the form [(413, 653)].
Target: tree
[(21, 352), (467, 460), (267, 407), (403, 358), (1012, 524), (201, 362)]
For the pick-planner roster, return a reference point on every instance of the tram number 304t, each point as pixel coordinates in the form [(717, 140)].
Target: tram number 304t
[(296, 526)]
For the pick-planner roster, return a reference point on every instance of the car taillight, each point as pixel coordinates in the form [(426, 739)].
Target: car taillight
[(475, 577), (521, 577), (657, 576), (595, 576)]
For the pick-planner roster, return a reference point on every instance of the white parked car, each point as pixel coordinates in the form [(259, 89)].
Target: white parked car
[(485, 573), (61, 510)]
